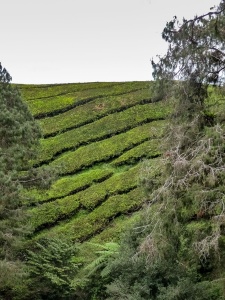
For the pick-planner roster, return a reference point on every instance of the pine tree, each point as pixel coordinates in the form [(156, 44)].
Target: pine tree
[(19, 135), (194, 60), (176, 251), (194, 160)]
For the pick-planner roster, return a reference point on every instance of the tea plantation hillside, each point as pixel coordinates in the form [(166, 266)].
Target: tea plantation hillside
[(96, 135)]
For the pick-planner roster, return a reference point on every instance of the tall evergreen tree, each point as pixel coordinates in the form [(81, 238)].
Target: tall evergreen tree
[(19, 135), (176, 251), (194, 159), (195, 59)]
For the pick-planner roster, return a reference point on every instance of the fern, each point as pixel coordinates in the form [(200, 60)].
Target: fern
[(109, 250)]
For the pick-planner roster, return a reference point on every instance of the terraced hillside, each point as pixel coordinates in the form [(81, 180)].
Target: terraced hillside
[(97, 135)]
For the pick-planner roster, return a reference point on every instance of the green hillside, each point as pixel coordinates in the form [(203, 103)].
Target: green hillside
[(96, 135), (115, 190)]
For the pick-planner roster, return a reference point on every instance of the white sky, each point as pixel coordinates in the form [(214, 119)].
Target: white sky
[(57, 41)]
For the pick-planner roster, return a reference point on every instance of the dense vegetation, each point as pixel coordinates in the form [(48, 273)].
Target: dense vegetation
[(176, 250), (98, 142), (136, 210), (97, 153), (19, 140)]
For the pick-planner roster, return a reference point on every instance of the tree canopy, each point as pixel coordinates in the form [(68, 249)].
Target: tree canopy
[(176, 251), (196, 49), (195, 59), (19, 135)]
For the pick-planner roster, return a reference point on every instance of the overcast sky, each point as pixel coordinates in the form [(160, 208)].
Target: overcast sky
[(57, 41)]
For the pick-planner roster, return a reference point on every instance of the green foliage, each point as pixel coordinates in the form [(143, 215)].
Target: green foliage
[(93, 110), (13, 280), (117, 184), (148, 149), (114, 229), (175, 251), (86, 225), (46, 105), (89, 198), (93, 288), (104, 122), (19, 136), (135, 273), (108, 128), (85, 156), (66, 185), (103, 128), (52, 267), (108, 250), (192, 187), (32, 92)]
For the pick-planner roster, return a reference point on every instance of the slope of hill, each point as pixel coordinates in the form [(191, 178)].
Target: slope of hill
[(97, 135)]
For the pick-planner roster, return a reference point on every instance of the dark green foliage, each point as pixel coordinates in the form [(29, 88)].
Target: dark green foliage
[(95, 280), (53, 266), (19, 136), (192, 188), (137, 273), (176, 249), (195, 58), (104, 254)]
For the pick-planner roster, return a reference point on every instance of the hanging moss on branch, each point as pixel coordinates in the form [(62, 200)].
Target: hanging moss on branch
[(176, 250)]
